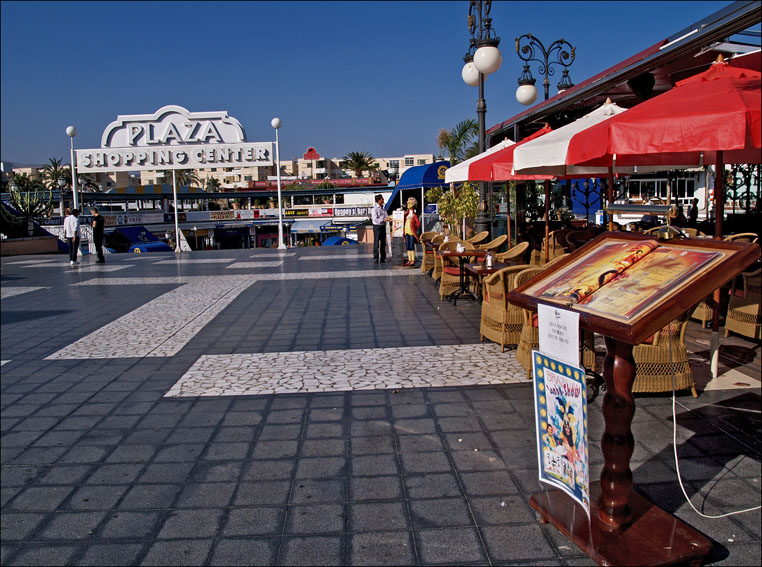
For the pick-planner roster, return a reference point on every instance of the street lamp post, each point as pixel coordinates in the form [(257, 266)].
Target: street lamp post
[(71, 131), (276, 123), (195, 233), (483, 57), (529, 48)]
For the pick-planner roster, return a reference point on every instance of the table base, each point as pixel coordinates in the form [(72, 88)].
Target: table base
[(654, 537)]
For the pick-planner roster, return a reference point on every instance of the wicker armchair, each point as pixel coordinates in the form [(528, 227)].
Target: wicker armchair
[(661, 356), (744, 306), (444, 246), (494, 245), (501, 322), (515, 254), (557, 246), (429, 256), (529, 339), (450, 279), (743, 237), (703, 312), (578, 238), (479, 237)]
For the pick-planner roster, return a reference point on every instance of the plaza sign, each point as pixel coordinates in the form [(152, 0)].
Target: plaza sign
[(174, 138)]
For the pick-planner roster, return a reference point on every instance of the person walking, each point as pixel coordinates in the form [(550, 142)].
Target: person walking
[(412, 228), (379, 219), (72, 233), (99, 223)]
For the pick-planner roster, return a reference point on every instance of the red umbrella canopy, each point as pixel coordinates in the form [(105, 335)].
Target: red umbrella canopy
[(498, 166), (718, 110)]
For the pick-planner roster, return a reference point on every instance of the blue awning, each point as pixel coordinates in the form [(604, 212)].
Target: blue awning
[(308, 226), (133, 234), (420, 176)]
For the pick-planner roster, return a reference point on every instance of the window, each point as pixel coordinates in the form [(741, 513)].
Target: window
[(394, 163), (247, 177), (214, 169), (421, 162), (409, 162)]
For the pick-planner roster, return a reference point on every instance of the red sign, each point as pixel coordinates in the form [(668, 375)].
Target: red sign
[(311, 153)]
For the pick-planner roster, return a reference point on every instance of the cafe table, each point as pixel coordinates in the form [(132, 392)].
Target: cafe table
[(480, 271), (463, 281)]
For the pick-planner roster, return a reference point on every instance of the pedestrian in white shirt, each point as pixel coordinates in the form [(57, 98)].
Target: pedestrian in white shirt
[(72, 234)]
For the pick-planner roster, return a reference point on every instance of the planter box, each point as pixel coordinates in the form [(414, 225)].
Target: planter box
[(30, 245)]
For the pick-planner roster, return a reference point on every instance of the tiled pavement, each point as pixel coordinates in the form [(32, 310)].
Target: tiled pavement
[(101, 466)]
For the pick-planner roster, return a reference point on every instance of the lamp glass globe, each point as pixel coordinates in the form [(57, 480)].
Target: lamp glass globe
[(488, 59), (276, 123), (71, 131), (526, 94), (470, 74)]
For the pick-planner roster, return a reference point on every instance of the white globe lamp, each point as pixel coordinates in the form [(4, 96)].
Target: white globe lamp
[(275, 123), (488, 59), (71, 131), (526, 94), (470, 74)]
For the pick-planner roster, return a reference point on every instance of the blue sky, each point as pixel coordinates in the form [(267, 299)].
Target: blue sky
[(381, 77)]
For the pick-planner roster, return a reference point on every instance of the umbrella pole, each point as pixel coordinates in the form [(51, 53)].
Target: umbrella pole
[(508, 211), (719, 210), (547, 220), (610, 197)]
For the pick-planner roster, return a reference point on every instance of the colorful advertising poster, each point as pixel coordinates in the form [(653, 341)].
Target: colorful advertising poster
[(560, 397)]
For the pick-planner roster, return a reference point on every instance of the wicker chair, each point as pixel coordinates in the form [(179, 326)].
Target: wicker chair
[(702, 312), (578, 238), (743, 237), (501, 322), (661, 356), (494, 245), (529, 339), (450, 279), (444, 246), (429, 256), (557, 246), (479, 237), (515, 254), (744, 306)]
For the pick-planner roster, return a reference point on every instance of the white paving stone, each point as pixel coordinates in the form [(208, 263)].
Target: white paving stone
[(11, 291), (35, 261), (265, 264), (275, 252), (2, 362), (103, 267), (197, 261), (341, 370)]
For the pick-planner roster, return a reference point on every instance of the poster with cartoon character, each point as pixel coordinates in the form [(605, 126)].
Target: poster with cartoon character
[(560, 397)]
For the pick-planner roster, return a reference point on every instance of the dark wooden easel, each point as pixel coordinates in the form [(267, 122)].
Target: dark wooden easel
[(624, 527)]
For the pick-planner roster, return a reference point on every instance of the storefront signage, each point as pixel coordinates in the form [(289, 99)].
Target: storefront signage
[(311, 153), (174, 138)]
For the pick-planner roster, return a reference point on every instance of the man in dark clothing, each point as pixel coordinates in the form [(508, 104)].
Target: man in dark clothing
[(99, 224), (379, 219), (693, 214)]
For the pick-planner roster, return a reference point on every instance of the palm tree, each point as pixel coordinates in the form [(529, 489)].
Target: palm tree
[(213, 184), (185, 177), (358, 162), (87, 184), (459, 142), (54, 171)]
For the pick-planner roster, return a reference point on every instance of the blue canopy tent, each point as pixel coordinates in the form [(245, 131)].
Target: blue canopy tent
[(416, 180)]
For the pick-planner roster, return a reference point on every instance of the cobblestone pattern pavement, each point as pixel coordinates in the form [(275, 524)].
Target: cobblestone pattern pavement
[(100, 467)]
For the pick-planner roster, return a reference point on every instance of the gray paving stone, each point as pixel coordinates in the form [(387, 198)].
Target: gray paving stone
[(382, 548), (42, 554), (311, 491), (111, 554), (517, 543), (182, 552), (191, 524), (260, 551), (150, 496), (312, 551), (249, 522), (440, 512), (17, 526), (378, 516), (448, 546), (129, 525), (206, 495), (315, 519), (432, 486)]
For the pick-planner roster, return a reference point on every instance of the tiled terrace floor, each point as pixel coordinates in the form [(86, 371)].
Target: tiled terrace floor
[(254, 407)]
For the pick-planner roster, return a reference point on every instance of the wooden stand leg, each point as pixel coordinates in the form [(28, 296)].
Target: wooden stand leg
[(624, 527)]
